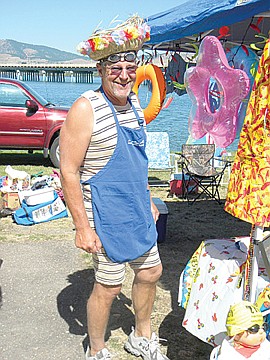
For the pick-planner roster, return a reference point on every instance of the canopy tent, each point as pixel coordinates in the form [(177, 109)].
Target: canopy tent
[(180, 27)]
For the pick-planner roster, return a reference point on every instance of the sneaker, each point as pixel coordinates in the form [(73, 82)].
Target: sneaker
[(101, 355), (147, 349)]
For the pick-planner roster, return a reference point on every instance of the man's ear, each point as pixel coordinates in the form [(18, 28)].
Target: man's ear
[(99, 69)]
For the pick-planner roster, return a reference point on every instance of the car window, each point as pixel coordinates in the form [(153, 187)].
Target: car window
[(11, 95)]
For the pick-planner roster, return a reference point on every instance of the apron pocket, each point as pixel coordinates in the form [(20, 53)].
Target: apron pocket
[(141, 203), (118, 209), (122, 244)]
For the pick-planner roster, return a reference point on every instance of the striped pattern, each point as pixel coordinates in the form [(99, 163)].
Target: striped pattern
[(104, 139), (109, 273)]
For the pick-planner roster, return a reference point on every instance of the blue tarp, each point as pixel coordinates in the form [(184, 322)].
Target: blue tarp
[(196, 16)]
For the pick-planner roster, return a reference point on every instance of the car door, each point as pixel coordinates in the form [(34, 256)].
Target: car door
[(19, 126)]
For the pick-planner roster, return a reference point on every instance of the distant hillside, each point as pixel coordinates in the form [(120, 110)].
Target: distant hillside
[(12, 51)]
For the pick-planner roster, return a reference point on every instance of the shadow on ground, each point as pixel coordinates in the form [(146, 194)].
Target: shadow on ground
[(72, 304), (14, 158), (187, 226)]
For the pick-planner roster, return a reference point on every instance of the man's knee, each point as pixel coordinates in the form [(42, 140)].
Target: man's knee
[(106, 291), (148, 275)]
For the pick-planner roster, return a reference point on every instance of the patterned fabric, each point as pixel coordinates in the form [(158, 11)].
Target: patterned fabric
[(248, 195), (111, 273), (199, 158), (209, 284), (158, 150)]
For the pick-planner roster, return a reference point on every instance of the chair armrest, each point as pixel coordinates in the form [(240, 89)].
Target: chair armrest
[(182, 157), (224, 161), (174, 161), (182, 162)]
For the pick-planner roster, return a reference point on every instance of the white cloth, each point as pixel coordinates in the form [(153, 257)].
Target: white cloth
[(226, 351), (209, 285)]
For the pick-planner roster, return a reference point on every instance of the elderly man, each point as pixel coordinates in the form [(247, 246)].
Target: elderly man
[(104, 175)]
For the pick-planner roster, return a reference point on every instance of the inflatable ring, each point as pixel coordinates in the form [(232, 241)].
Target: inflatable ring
[(154, 74)]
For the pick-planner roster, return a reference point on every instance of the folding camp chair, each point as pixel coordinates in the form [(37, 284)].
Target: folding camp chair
[(197, 163)]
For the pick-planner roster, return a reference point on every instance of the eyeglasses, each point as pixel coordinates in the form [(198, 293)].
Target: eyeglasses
[(255, 328), (128, 56), (116, 70)]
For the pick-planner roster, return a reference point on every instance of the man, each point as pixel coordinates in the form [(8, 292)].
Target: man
[(104, 177)]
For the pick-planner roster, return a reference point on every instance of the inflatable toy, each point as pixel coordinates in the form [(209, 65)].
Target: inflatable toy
[(154, 74), (216, 91)]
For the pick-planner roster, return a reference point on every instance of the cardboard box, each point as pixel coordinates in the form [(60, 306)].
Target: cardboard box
[(9, 200), (177, 187), (162, 220)]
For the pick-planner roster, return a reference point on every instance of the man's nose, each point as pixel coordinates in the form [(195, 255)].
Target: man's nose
[(124, 73)]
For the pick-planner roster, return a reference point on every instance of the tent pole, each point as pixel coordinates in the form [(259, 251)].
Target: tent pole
[(252, 268)]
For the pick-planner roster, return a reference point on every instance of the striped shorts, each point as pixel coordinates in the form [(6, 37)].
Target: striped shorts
[(111, 273)]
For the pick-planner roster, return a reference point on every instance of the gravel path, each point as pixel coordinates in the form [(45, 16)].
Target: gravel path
[(35, 277), (45, 282)]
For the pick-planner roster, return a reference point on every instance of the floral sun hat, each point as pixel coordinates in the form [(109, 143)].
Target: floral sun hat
[(128, 36), (242, 316)]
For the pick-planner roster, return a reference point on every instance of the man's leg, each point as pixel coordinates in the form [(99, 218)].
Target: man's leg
[(143, 297), (98, 312), (141, 341)]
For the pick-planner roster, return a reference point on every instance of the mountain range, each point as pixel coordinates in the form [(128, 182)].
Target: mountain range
[(16, 52)]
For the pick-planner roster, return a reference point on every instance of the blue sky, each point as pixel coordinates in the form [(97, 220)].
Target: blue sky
[(62, 24)]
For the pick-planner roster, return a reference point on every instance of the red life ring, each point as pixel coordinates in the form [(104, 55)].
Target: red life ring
[(154, 74)]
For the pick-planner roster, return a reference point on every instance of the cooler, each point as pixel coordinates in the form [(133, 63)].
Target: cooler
[(176, 185), (162, 220), (38, 196)]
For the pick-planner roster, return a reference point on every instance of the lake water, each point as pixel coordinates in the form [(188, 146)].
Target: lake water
[(173, 120)]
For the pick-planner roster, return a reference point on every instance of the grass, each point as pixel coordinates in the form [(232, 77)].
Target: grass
[(186, 227), (34, 163), (21, 160)]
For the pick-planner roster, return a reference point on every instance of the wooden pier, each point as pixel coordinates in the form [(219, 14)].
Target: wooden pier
[(78, 73)]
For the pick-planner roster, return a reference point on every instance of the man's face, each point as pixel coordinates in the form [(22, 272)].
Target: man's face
[(118, 77)]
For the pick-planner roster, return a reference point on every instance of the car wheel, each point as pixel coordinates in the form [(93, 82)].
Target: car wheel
[(55, 153)]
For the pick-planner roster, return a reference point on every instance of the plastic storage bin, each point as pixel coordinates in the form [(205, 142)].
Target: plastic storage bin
[(39, 196), (162, 220)]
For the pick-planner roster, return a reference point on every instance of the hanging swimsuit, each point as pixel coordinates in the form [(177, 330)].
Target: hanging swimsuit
[(120, 198)]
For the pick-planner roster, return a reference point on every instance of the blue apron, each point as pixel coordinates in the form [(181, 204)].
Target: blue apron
[(120, 198)]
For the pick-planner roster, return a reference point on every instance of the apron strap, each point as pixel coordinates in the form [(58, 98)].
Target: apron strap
[(139, 119)]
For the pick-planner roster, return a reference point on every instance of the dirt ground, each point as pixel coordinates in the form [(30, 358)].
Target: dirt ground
[(187, 226)]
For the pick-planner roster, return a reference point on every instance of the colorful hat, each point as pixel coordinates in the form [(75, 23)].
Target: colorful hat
[(128, 36), (242, 316)]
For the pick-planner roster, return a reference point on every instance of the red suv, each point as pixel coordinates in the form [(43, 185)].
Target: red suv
[(28, 121)]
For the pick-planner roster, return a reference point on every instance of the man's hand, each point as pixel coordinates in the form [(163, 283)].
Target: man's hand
[(154, 211), (87, 240)]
